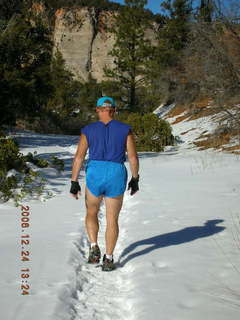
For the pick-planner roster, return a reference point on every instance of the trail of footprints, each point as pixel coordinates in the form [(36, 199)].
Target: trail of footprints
[(103, 295)]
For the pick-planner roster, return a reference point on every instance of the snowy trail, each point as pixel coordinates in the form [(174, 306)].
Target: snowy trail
[(103, 296), (177, 250), (99, 295)]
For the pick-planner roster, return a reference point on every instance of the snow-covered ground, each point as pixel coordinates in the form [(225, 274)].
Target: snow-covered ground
[(178, 252)]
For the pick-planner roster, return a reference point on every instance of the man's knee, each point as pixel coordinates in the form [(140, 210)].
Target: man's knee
[(94, 205), (112, 223)]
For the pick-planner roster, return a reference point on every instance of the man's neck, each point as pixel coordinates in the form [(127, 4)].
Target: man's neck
[(106, 120)]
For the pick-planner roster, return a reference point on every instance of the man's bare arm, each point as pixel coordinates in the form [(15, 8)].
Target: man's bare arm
[(79, 157), (132, 155)]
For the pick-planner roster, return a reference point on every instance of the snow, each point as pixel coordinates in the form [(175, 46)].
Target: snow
[(163, 109), (190, 130), (177, 252)]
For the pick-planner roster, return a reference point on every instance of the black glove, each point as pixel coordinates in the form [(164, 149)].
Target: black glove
[(75, 187), (133, 185)]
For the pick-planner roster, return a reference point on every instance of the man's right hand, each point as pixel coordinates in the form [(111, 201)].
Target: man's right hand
[(133, 185), (75, 189)]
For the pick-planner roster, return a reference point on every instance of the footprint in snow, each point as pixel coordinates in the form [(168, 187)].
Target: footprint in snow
[(160, 265)]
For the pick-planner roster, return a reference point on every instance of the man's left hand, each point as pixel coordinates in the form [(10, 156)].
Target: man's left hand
[(133, 185)]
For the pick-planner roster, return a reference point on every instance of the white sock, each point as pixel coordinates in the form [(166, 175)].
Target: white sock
[(109, 256), (93, 244)]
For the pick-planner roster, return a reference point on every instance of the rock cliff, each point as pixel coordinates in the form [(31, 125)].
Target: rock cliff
[(80, 35)]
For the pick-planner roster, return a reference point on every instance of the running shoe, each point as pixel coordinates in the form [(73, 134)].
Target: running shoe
[(94, 254), (108, 264)]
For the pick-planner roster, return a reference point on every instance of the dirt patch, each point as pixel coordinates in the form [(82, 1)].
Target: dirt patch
[(197, 109), (232, 149), (201, 103), (203, 112), (180, 119), (215, 141), (176, 111)]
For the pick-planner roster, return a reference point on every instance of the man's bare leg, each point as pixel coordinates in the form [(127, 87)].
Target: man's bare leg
[(113, 207), (91, 221)]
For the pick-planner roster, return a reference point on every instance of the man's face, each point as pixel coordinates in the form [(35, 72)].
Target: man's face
[(104, 110)]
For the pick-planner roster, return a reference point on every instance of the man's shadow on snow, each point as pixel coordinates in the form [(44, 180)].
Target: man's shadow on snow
[(170, 239)]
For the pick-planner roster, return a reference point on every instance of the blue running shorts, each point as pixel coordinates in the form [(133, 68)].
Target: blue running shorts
[(106, 178)]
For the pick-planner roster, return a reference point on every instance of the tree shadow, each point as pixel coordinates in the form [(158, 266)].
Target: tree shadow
[(170, 239), (35, 140), (67, 157)]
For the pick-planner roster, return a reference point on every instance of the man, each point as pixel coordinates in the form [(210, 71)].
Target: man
[(106, 175)]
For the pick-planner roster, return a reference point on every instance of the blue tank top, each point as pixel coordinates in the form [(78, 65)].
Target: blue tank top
[(107, 142)]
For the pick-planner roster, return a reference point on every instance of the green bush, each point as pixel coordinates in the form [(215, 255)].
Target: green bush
[(22, 180), (151, 133), (54, 162), (9, 154), (41, 163), (57, 163), (8, 184)]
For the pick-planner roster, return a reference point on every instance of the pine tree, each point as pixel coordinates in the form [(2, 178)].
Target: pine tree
[(66, 93), (173, 35), (131, 50), (9, 7), (25, 61), (206, 10), (177, 28)]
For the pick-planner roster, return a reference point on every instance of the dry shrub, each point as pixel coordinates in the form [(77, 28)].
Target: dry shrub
[(210, 61), (203, 112), (185, 132), (204, 135)]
